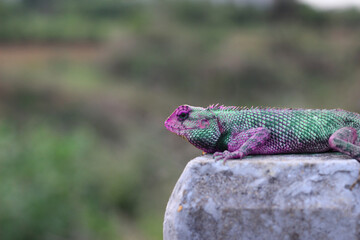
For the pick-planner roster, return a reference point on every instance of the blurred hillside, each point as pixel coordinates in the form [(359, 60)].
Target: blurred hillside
[(85, 87)]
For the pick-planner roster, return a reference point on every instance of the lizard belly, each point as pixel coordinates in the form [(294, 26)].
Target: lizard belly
[(293, 139), (276, 147)]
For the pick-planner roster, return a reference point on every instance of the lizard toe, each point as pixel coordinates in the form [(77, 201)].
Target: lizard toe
[(228, 155), (218, 156), (225, 159)]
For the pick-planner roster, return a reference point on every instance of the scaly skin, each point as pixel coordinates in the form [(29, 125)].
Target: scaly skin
[(233, 133)]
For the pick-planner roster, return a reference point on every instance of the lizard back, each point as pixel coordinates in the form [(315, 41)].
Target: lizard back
[(292, 130)]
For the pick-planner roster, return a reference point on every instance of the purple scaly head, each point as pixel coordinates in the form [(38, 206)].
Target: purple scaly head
[(196, 124)]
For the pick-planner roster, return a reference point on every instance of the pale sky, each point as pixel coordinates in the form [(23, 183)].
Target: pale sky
[(332, 4)]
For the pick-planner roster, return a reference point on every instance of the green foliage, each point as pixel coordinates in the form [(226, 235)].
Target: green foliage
[(233, 63), (47, 185), (58, 21)]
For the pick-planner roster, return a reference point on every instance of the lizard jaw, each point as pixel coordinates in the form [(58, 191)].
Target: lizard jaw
[(177, 131)]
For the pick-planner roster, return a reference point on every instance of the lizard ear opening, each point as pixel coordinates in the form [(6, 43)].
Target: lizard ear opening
[(204, 123)]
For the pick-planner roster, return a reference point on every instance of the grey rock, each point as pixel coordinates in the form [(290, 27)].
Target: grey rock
[(292, 197)]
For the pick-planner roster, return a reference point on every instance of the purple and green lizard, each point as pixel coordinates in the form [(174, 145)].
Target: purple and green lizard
[(233, 132)]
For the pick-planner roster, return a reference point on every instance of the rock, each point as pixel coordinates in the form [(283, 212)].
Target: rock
[(292, 197)]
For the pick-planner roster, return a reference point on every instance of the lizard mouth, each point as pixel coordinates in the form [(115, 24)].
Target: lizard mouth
[(178, 130)]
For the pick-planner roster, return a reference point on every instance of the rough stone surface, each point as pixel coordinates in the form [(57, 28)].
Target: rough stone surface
[(290, 197)]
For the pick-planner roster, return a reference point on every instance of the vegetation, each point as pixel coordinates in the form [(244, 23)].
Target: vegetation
[(85, 87)]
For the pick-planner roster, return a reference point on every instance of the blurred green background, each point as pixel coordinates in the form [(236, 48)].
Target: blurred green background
[(85, 86)]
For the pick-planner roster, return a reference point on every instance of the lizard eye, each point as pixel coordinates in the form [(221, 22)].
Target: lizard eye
[(183, 116)]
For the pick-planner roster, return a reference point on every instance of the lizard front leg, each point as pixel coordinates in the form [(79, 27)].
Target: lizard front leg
[(244, 143)]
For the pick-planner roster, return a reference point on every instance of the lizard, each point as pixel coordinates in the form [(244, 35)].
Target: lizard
[(230, 132)]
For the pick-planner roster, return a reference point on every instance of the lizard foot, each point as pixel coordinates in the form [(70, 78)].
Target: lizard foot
[(226, 155)]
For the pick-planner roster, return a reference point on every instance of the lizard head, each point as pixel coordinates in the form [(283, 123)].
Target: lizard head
[(196, 124)]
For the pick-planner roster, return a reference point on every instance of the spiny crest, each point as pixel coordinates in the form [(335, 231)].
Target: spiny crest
[(229, 108), (235, 108), (222, 107)]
